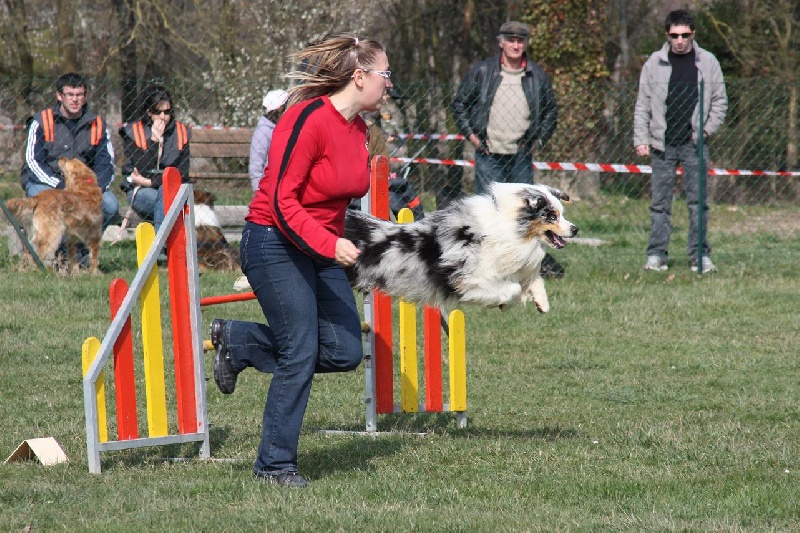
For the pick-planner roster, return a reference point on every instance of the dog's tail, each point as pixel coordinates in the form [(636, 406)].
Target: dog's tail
[(359, 226), (22, 209)]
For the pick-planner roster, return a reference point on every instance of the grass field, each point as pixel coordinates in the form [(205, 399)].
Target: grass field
[(643, 401)]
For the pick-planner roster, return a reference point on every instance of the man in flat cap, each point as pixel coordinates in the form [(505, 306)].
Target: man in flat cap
[(506, 108)]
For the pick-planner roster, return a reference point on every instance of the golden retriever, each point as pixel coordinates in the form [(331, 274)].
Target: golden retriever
[(73, 215)]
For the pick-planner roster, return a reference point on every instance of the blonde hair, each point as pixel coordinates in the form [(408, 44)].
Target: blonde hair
[(327, 65)]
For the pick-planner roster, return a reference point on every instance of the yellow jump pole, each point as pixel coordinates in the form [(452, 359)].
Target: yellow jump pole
[(409, 372), (90, 348), (152, 343), (458, 361)]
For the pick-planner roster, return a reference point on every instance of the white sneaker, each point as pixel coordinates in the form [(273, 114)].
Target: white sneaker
[(241, 284), (655, 263), (708, 266)]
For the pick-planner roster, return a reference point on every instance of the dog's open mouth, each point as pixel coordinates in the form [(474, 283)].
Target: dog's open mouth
[(555, 241)]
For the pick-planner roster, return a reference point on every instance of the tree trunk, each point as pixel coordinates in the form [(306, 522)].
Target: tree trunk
[(127, 60), (791, 148), (20, 29), (68, 50)]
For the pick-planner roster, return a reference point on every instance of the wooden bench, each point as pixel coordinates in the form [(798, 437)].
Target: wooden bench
[(216, 154), (220, 154)]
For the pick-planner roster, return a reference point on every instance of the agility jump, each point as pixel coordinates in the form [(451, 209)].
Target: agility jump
[(177, 233)]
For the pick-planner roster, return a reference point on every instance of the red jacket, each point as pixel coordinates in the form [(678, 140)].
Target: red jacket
[(327, 166)]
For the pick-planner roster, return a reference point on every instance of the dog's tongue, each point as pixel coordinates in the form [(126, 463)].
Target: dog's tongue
[(557, 241)]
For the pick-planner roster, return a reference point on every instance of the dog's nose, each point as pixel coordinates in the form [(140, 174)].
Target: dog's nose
[(574, 230)]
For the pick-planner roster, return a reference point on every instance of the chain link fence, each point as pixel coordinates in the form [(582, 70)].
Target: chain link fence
[(753, 182)]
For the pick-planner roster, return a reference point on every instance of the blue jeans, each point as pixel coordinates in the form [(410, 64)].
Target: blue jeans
[(110, 203), (314, 326), (662, 189), (148, 204), (511, 168)]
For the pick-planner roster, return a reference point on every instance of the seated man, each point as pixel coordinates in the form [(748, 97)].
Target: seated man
[(69, 129)]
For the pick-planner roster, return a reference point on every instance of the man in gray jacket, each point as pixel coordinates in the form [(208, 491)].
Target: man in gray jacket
[(666, 127)]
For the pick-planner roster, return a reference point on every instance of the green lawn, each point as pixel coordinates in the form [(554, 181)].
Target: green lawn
[(642, 401)]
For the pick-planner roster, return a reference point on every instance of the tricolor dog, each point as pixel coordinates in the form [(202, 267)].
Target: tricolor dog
[(485, 250)]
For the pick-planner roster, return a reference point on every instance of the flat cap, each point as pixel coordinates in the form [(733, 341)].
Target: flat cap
[(515, 29)]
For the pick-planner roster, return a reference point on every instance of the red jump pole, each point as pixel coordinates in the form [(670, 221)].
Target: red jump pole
[(124, 383), (384, 370), (227, 298), (432, 318), (177, 272)]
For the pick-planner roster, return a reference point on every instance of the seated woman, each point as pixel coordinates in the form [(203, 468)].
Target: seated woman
[(153, 143)]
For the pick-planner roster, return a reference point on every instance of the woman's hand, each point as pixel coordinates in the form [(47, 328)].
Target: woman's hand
[(158, 127), (139, 180), (346, 252)]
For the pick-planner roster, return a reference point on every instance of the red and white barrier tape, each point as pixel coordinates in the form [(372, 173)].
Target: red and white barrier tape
[(539, 165), (431, 136), (18, 127), (595, 167)]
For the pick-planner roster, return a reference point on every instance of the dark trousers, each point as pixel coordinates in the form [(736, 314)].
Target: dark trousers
[(314, 327)]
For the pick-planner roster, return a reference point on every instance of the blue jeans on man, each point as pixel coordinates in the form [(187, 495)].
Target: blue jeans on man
[(664, 166), (110, 202), (314, 327), (508, 168)]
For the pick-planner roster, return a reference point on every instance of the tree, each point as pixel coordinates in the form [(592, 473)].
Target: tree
[(127, 58), (763, 37), (67, 46), (19, 30)]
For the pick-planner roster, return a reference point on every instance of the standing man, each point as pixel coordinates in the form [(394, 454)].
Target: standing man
[(666, 123), (506, 108), (69, 129)]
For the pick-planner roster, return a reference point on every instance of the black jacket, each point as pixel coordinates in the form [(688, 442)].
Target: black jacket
[(475, 95), (87, 140), (174, 154)]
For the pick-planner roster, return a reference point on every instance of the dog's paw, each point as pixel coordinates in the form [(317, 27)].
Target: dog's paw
[(535, 292), (509, 295), (541, 302), (503, 295)]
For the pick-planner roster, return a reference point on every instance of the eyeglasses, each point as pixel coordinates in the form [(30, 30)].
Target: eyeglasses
[(160, 111), (382, 73), (676, 35)]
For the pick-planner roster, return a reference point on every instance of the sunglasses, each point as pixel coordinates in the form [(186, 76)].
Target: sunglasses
[(676, 35), (160, 111), (382, 73)]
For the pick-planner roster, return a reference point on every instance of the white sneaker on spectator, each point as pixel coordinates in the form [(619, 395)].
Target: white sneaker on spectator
[(655, 263), (241, 284), (708, 265)]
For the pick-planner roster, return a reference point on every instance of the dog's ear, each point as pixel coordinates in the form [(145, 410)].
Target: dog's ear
[(561, 195), (202, 196), (535, 202)]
